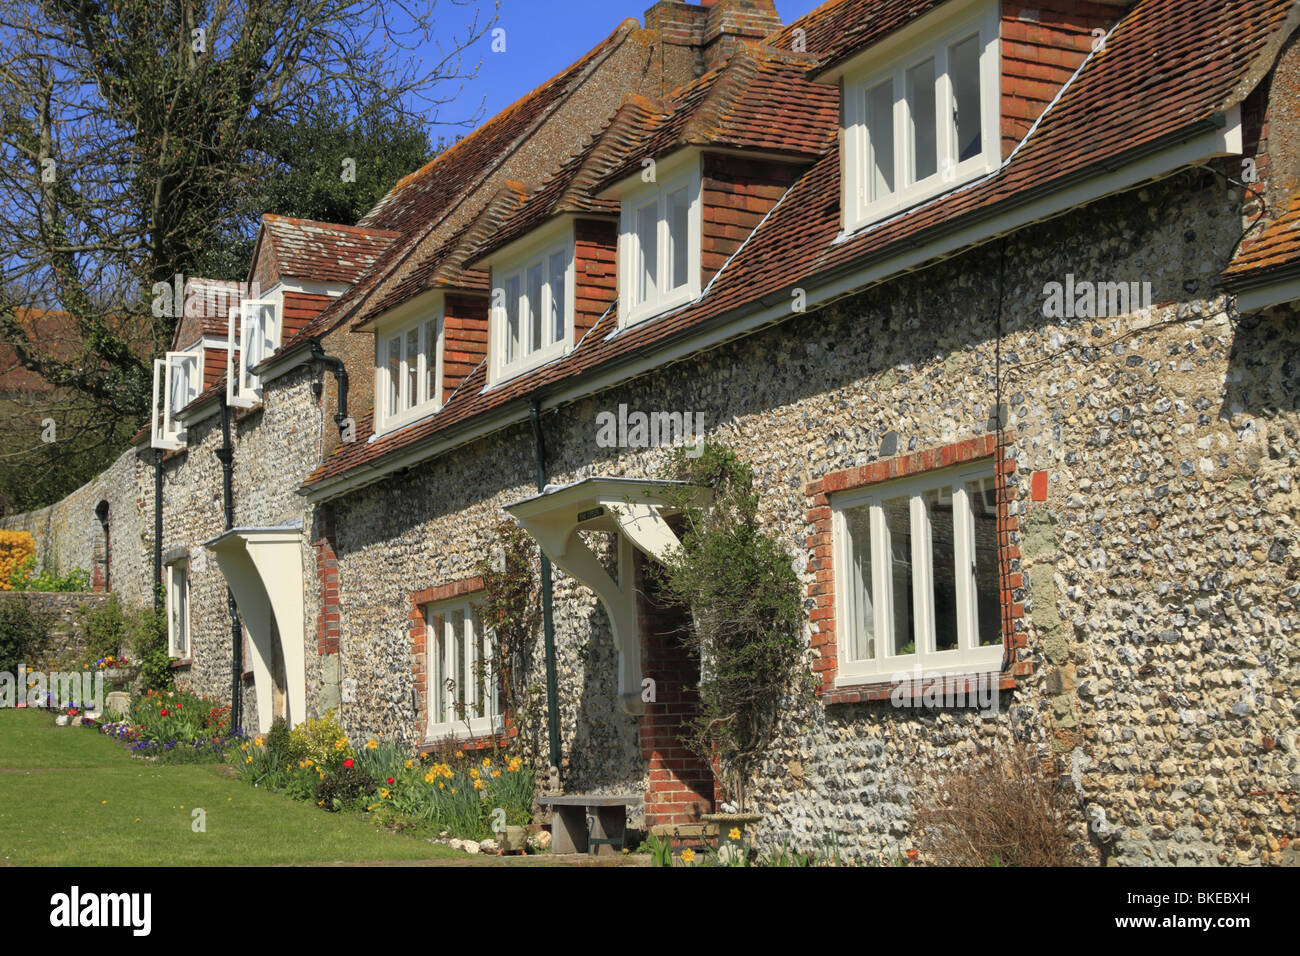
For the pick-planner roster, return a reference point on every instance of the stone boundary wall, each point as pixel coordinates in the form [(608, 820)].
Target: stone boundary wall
[(63, 643), (70, 535)]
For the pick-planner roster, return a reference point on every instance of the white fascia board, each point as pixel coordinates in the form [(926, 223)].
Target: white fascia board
[(1267, 296), (403, 312), (681, 158), (1197, 148)]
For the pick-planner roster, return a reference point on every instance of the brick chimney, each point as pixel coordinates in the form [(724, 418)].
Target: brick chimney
[(714, 28)]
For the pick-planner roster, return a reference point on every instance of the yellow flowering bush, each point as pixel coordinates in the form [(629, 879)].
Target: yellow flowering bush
[(16, 549), (320, 740)]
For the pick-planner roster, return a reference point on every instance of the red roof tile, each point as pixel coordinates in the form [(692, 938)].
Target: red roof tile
[(322, 251), (1277, 247), (1169, 64)]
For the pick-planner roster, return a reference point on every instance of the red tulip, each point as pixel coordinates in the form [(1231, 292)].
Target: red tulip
[(164, 712), (390, 781), (348, 763)]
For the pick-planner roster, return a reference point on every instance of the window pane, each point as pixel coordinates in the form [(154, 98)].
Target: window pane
[(964, 72), (438, 648), (269, 334), (480, 665), (920, 96), (394, 372), (880, 141), (862, 645), (559, 300), (412, 368), (458, 629), (513, 297), (984, 511), (943, 567), (898, 525), (430, 391), (647, 238), (178, 388), (679, 208), (534, 308)]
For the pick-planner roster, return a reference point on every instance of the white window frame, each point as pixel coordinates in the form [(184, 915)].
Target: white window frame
[(166, 430), (931, 38), (516, 266), (968, 657), (426, 324), (629, 245), (178, 592), (243, 388), (439, 646)]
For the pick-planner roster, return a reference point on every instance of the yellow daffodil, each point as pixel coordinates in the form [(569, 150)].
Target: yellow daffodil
[(409, 764), (443, 786), (478, 784), (428, 777), (383, 793), (424, 756), (473, 773), (248, 760), (496, 773), (688, 856), (453, 789), (258, 742), (372, 744), (487, 761), (734, 833)]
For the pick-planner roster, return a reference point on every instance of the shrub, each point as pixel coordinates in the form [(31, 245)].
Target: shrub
[(320, 740), (25, 577), (104, 628), (344, 787), (18, 625), (146, 633), (278, 741), (17, 548), (1006, 807)]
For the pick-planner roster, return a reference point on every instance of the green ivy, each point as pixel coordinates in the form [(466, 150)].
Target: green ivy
[(740, 584)]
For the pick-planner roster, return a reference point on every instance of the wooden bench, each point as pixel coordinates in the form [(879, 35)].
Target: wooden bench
[(569, 815)]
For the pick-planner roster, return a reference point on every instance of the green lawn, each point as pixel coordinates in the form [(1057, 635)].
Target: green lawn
[(70, 796)]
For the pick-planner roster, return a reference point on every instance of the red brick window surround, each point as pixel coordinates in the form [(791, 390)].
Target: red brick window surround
[(822, 546), (449, 602)]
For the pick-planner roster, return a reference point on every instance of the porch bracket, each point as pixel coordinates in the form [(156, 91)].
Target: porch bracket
[(263, 567), (633, 509)]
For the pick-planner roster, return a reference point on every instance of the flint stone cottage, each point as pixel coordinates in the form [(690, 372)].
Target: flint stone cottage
[(832, 241)]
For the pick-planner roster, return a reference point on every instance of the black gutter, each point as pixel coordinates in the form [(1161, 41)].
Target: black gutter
[(157, 529), (226, 455), (548, 619)]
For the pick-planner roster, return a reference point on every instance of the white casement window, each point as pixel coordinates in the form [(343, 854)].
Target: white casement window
[(178, 610), (408, 370), (532, 309), (659, 246), (253, 336), (916, 571), (177, 381), (925, 121), (463, 693)]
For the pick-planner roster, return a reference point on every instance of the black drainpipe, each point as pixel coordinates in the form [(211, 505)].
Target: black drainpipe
[(157, 529), (340, 377), (548, 620), (226, 455)]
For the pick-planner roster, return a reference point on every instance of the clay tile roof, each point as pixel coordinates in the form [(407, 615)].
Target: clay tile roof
[(1169, 66), (1277, 247), (418, 203), (840, 28), (322, 251)]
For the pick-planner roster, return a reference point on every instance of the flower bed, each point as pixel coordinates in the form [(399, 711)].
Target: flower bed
[(176, 727)]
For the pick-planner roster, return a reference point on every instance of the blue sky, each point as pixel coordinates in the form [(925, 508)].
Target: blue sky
[(542, 37)]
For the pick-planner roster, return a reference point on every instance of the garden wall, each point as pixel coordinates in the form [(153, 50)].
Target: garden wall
[(62, 644)]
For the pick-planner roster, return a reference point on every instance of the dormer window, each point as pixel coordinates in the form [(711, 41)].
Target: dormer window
[(532, 306), (924, 121), (177, 381), (257, 324), (408, 368), (659, 245)]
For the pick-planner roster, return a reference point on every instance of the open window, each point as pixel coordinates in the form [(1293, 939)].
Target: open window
[(921, 115), (177, 381), (659, 245), (253, 335)]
